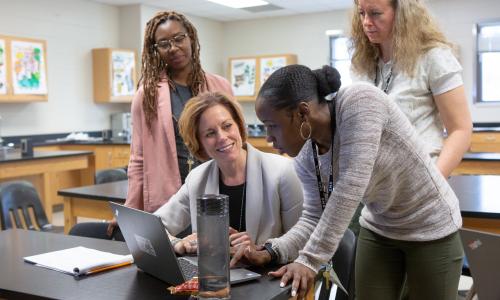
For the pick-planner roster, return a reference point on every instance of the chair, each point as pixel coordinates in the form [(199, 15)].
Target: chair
[(96, 230), (343, 264), (17, 198), (110, 175)]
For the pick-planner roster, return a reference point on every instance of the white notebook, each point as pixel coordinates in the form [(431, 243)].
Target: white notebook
[(79, 260)]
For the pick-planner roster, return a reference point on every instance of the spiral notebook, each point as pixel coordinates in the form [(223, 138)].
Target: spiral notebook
[(79, 260)]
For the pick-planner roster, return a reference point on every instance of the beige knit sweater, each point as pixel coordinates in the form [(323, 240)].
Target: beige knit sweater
[(378, 160)]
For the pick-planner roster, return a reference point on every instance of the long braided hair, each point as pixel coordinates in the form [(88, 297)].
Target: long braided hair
[(153, 65)]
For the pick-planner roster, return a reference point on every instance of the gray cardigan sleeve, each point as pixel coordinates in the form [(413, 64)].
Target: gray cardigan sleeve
[(361, 117)]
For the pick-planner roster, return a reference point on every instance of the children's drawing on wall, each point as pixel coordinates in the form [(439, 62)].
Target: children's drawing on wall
[(243, 77), (269, 65), (3, 69), (28, 68), (123, 64)]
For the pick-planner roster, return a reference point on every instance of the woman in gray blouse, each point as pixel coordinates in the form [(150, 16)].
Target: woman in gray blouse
[(358, 146)]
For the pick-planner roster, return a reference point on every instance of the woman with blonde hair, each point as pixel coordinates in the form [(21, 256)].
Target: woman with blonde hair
[(398, 47), (265, 197)]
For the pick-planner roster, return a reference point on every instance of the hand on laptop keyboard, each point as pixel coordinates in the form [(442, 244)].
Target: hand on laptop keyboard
[(188, 245)]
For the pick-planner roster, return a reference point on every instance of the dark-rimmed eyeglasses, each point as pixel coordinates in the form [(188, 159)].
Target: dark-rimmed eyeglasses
[(167, 44)]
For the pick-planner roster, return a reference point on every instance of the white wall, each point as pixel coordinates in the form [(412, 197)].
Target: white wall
[(457, 19), (304, 35), (71, 29)]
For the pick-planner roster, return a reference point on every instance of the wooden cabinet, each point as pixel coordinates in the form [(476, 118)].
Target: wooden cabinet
[(114, 75), (248, 74), (485, 142), (262, 144), (106, 156)]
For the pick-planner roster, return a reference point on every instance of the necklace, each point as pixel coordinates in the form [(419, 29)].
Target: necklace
[(242, 205), (386, 81)]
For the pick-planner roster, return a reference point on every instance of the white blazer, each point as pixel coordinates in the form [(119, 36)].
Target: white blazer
[(273, 196)]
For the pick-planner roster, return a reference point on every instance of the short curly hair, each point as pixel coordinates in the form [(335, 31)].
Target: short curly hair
[(189, 120)]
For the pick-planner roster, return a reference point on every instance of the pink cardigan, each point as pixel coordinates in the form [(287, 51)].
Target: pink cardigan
[(153, 171)]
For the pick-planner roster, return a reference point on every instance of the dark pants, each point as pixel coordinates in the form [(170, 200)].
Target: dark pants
[(432, 268)]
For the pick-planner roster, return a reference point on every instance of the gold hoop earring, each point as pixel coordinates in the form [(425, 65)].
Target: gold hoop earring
[(302, 135)]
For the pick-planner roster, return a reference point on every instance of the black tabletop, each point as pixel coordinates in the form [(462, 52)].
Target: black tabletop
[(479, 195), (483, 156), (113, 191), (16, 156), (21, 280)]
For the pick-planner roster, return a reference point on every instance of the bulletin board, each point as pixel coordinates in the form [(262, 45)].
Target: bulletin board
[(248, 74), (23, 69)]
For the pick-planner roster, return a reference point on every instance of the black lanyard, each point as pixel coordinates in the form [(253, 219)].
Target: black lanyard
[(387, 81), (323, 197)]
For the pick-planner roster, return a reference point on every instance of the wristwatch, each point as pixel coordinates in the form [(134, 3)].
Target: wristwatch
[(274, 254)]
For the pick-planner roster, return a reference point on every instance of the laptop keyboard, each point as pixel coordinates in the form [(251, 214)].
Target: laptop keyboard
[(189, 269)]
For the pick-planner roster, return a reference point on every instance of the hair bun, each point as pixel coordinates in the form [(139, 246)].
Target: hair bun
[(328, 79)]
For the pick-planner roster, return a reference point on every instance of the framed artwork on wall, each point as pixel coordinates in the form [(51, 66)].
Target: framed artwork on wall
[(123, 69), (247, 74), (242, 72), (23, 69), (3, 67), (29, 76)]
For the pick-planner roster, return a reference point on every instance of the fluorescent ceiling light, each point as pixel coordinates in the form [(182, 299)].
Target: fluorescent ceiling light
[(240, 3)]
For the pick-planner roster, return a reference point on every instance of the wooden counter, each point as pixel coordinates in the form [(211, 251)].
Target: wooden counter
[(262, 144), (107, 155), (479, 164), (43, 170)]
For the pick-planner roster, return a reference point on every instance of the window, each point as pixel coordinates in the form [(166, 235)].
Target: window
[(488, 62), (340, 57)]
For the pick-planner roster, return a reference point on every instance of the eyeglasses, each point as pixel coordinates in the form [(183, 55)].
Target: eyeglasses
[(167, 44)]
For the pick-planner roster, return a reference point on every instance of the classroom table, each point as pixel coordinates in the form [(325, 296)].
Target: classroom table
[(91, 201), (42, 168), (479, 198), (481, 163), (21, 280)]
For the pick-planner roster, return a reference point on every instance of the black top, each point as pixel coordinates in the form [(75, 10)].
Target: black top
[(178, 98), (237, 200)]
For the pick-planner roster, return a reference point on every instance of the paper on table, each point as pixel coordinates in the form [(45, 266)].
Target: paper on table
[(79, 260)]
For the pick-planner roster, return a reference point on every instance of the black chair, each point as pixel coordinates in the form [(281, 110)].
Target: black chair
[(110, 175), (16, 200), (343, 264)]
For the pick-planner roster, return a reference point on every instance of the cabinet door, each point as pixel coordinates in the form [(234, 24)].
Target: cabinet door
[(121, 155)]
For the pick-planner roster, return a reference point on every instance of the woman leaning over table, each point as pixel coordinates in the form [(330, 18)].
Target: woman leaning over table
[(399, 48), (265, 197), (355, 145), (171, 74)]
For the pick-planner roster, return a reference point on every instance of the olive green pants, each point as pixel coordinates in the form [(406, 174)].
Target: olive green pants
[(433, 268)]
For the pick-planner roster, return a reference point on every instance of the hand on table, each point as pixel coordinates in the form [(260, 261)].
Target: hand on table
[(187, 245), (251, 254), (302, 278)]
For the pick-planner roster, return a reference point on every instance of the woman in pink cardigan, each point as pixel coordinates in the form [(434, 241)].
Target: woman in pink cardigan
[(171, 74)]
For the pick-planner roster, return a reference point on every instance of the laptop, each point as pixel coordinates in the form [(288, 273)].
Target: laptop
[(482, 250), (150, 246)]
